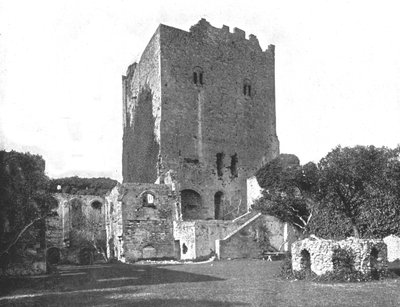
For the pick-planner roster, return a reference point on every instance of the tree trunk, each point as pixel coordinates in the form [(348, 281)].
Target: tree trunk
[(356, 232), (19, 235)]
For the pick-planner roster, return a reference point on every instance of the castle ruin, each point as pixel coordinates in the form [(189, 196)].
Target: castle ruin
[(198, 122)]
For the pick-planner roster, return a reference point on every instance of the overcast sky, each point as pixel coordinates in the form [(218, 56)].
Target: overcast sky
[(337, 73)]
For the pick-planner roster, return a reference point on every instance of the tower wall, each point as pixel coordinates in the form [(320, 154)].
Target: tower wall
[(214, 129), (142, 115), (201, 121)]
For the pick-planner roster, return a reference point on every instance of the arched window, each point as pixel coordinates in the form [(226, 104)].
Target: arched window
[(77, 217), (96, 205), (148, 199), (247, 88), (191, 205), (234, 162), (198, 76)]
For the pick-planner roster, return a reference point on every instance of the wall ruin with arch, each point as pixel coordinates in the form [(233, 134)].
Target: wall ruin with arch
[(70, 233), (139, 221), (368, 256)]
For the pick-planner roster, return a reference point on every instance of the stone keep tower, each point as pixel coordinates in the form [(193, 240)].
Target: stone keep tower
[(202, 104)]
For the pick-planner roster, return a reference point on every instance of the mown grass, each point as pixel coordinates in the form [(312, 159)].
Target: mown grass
[(224, 283)]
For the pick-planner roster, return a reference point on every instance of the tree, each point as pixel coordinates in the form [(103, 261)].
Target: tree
[(24, 196), (357, 181), (352, 191), (290, 190)]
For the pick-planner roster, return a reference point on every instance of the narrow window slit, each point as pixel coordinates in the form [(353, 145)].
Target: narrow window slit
[(220, 163)]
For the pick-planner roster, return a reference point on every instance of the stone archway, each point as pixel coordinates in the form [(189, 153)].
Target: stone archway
[(86, 256), (305, 262), (374, 263), (191, 204), (53, 255)]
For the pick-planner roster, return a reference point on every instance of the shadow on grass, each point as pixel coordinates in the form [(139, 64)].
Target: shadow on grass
[(394, 268), (130, 300), (78, 278)]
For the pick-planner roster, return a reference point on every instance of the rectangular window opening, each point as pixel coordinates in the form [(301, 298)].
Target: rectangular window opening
[(220, 163), (234, 161)]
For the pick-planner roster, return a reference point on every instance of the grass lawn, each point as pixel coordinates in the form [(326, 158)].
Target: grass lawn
[(222, 283)]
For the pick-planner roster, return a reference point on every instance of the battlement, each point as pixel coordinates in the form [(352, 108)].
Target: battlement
[(203, 29)]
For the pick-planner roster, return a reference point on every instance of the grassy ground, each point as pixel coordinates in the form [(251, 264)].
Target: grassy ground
[(224, 283)]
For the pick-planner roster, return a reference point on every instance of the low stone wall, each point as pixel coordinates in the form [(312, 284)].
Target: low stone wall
[(185, 235), (317, 254), (244, 243), (393, 246), (79, 221), (262, 234)]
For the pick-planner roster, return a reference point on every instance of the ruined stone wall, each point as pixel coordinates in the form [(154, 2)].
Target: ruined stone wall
[(197, 238), (263, 234), (78, 218), (142, 115), (114, 224), (185, 236), (212, 134), (206, 234), (393, 246), (148, 222), (245, 243), (318, 253)]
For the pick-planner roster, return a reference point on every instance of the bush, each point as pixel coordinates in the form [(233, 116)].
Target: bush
[(83, 186)]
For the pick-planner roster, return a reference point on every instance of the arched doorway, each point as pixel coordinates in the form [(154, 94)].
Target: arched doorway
[(86, 256), (305, 263), (218, 201), (374, 263), (191, 205), (53, 255)]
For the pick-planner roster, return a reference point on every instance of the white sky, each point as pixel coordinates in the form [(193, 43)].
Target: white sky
[(337, 72)]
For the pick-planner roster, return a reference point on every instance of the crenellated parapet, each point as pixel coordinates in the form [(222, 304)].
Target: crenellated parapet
[(203, 30)]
